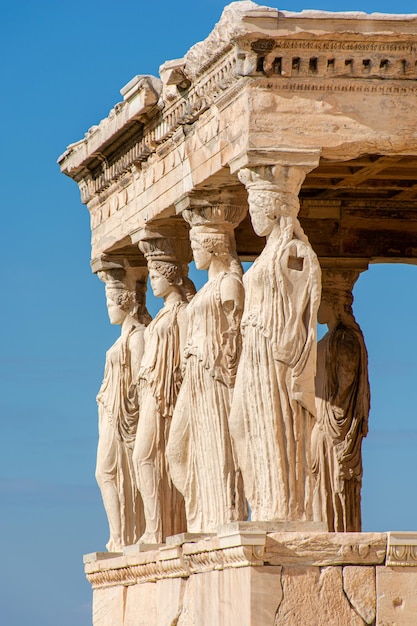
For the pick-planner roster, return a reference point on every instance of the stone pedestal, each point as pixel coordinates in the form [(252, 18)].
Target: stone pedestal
[(251, 577)]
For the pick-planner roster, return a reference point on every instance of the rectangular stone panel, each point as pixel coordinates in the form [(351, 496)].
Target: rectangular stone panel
[(140, 606), (396, 593)]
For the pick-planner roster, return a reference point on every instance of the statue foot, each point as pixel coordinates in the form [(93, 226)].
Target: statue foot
[(152, 538), (114, 545)]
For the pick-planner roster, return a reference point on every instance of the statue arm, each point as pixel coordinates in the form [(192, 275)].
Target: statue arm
[(232, 300), (136, 346), (182, 321)]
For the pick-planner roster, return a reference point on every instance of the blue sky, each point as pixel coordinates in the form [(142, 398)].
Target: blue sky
[(62, 67)]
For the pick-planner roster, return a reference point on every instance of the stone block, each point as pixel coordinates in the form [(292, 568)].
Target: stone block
[(169, 600), (325, 548), (108, 603), (140, 608), (396, 593), (359, 586), (240, 596), (313, 596)]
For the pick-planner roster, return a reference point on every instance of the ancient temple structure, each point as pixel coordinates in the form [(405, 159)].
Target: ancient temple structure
[(289, 138)]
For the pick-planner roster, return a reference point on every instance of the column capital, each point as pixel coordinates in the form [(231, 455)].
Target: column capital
[(220, 208), (164, 240), (308, 159), (132, 263), (204, 198)]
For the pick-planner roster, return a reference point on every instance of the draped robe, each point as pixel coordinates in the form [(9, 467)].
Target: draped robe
[(342, 398), (273, 405), (118, 417), (199, 451), (160, 380)]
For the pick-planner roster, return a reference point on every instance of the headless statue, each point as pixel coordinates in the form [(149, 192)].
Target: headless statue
[(343, 402)]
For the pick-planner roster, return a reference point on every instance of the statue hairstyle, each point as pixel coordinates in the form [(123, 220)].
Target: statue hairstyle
[(125, 290)]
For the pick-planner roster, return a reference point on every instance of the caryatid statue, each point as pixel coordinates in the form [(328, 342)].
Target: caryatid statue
[(343, 402), (118, 405), (199, 449), (159, 381), (274, 404)]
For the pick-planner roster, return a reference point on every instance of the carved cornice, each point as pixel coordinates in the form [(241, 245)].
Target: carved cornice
[(236, 547), (251, 46), (402, 549)]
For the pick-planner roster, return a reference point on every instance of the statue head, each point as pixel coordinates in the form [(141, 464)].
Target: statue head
[(336, 297), (167, 260), (125, 294), (207, 244), (272, 195), (212, 235)]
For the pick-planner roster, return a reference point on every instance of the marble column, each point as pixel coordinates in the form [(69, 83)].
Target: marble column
[(199, 450), (343, 402), (118, 408), (166, 247), (273, 406)]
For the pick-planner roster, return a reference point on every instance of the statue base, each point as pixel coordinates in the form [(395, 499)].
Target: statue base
[(251, 577)]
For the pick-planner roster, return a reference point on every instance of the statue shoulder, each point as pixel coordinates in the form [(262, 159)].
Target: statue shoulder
[(136, 336), (231, 288)]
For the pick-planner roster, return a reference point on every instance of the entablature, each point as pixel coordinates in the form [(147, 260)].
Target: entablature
[(342, 85)]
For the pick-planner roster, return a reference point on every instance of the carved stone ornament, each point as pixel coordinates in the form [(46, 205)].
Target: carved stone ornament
[(118, 404), (273, 405), (199, 450), (343, 402), (159, 381), (402, 549)]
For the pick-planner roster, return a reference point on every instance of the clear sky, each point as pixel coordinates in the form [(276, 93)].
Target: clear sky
[(62, 66)]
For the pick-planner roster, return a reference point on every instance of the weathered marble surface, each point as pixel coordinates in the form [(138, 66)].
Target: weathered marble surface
[(359, 585), (199, 449), (343, 403), (229, 581), (325, 548), (338, 83), (273, 405), (118, 405), (159, 379), (270, 102)]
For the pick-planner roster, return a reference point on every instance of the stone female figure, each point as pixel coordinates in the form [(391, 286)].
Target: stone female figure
[(159, 381), (273, 405), (118, 408), (199, 449), (343, 402)]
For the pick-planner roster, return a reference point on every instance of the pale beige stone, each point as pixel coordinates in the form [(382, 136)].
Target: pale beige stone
[(273, 405), (108, 606), (199, 450), (233, 597), (118, 405), (396, 591), (402, 548), (359, 586), (340, 90), (325, 548), (313, 596), (343, 403), (159, 380), (311, 87), (141, 608), (169, 600)]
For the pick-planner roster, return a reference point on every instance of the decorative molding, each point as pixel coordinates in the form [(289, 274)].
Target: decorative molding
[(236, 547), (325, 548), (295, 70), (402, 549)]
